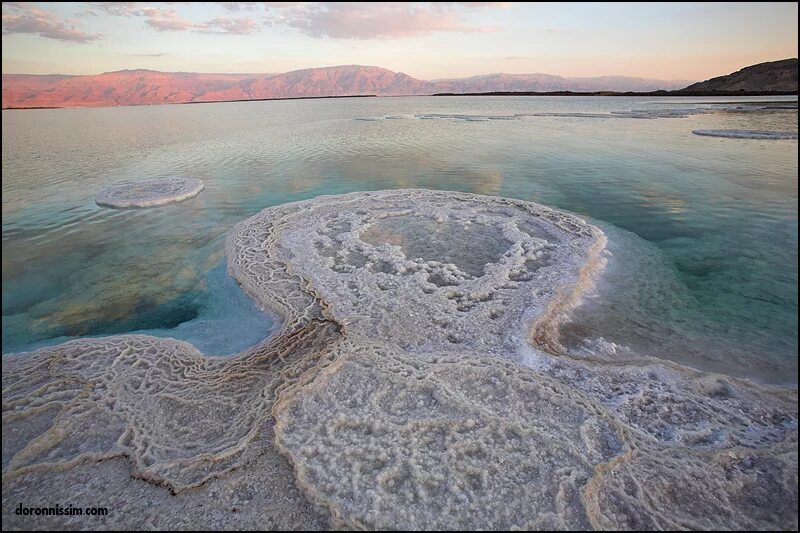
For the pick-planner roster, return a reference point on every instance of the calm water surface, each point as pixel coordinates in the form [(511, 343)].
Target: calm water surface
[(703, 230)]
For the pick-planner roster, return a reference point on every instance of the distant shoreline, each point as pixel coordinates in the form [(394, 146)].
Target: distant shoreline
[(628, 93), (493, 93), (208, 101), (282, 98)]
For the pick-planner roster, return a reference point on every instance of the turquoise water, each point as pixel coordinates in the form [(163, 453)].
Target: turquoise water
[(703, 230)]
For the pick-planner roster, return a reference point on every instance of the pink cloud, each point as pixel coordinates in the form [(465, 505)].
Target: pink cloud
[(123, 9), (339, 20), (23, 17), (240, 6), (482, 5), (238, 26), (165, 19), (160, 18), (367, 20)]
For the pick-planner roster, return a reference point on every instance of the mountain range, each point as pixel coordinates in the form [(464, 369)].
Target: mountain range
[(139, 87)]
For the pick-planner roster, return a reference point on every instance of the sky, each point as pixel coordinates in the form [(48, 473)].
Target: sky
[(668, 41)]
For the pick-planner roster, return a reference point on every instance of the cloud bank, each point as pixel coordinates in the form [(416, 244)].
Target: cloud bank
[(24, 17), (337, 20), (375, 20)]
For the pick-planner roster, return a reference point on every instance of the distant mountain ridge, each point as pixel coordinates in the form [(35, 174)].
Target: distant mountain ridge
[(549, 82), (337, 81), (142, 86), (771, 76)]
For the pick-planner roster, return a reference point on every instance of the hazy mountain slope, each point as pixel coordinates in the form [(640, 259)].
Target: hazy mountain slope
[(505, 82), (547, 82), (133, 87), (625, 83), (124, 87), (18, 87), (344, 80)]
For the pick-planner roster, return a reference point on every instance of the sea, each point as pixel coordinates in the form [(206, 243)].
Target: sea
[(702, 263)]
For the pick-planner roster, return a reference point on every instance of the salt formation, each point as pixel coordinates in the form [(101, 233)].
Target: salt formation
[(445, 442), (521, 116), (437, 272), (149, 193), (748, 134), (395, 393), (635, 113)]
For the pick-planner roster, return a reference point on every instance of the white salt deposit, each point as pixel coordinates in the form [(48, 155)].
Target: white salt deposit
[(149, 193), (634, 114)]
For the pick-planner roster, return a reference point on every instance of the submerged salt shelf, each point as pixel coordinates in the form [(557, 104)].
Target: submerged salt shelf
[(747, 134), (416, 382), (216, 317), (149, 193)]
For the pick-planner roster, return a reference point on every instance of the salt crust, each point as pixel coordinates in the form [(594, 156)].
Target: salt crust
[(434, 422), (149, 193)]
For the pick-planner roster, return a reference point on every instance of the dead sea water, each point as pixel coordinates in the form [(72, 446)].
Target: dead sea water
[(702, 230)]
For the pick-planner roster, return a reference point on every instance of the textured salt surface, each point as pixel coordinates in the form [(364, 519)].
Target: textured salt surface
[(149, 193), (394, 393), (441, 273), (748, 134)]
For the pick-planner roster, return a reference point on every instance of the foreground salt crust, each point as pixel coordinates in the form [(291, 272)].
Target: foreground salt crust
[(149, 193), (395, 394)]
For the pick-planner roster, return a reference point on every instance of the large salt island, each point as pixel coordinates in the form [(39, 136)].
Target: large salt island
[(417, 382)]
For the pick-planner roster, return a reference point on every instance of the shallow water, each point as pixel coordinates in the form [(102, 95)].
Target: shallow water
[(703, 230)]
